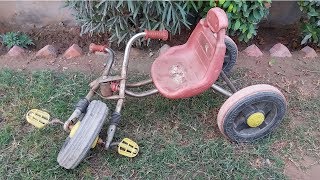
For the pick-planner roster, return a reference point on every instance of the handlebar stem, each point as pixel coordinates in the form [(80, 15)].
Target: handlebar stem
[(125, 68), (109, 61)]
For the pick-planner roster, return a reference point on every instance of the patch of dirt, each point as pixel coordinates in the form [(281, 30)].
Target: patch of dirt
[(278, 146), (3, 28), (294, 74), (62, 37), (3, 50), (310, 169), (91, 63)]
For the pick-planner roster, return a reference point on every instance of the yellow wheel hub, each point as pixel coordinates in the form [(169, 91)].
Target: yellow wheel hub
[(74, 130), (255, 119)]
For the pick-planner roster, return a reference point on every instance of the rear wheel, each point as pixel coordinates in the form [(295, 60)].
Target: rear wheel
[(79, 143), (252, 113), (231, 55)]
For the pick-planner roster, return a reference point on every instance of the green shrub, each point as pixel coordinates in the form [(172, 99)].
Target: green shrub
[(311, 26), (11, 39), (243, 16), (123, 19)]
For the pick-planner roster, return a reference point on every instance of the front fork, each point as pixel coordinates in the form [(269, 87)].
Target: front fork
[(115, 118), (82, 105)]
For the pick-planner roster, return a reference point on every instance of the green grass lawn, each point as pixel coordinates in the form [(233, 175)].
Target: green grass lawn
[(178, 139)]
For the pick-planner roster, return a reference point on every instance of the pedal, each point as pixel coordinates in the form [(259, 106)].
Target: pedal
[(38, 118), (128, 148)]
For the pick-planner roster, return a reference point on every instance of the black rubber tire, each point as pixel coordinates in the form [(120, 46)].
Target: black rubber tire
[(231, 55), (75, 149), (251, 96)]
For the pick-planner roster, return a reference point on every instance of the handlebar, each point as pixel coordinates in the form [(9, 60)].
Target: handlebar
[(94, 48), (162, 34)]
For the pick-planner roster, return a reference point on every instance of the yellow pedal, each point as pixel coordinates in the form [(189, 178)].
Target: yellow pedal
[(128, 148), (38, 118)]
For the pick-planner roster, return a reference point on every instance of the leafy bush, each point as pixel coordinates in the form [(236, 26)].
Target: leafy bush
[(11, 39), (123, 19), (311, 26), (243, 16)]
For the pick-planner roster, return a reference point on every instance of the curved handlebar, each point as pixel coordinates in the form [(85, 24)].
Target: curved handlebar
[(94, 48), (163, 34)]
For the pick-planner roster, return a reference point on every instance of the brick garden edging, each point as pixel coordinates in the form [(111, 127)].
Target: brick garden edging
[(278, 50)]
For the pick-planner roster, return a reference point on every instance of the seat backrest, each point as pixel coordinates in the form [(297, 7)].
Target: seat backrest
[(208, 37), (216, 20)]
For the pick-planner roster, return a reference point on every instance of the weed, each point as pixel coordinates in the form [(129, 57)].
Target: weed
[(11, 39)]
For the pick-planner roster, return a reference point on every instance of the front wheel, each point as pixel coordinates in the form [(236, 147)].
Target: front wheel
[(252, 113), (83, 135)]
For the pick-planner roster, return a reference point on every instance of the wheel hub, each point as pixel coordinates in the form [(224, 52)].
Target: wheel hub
[(255, 119), (74, 130)]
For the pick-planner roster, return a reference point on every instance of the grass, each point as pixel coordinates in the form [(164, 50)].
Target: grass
[(179, 139)]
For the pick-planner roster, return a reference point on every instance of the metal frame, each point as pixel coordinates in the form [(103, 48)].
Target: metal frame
[(122, 79)]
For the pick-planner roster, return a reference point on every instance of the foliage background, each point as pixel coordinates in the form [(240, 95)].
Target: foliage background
[(311, 25), (123, 19), (243, 16)]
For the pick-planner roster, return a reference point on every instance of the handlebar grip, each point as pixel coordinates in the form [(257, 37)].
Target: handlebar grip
[(94, 47), (163, 34)]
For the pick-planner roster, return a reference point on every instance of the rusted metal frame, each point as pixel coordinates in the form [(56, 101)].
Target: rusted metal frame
[(105, 79), (109, 62), (125, 68), (229, 83), (140, 83), (77, 114), (113, 97), (221, 90), (141, 94), (112, 127), (95, 84)]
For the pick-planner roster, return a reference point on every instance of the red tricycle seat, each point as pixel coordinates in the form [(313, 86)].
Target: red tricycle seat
[(189, 69)]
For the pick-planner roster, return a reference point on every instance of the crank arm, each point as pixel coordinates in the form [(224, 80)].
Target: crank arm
[(105, 79)]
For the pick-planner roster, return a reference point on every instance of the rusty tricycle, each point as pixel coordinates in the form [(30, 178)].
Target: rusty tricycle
[(180, 72)]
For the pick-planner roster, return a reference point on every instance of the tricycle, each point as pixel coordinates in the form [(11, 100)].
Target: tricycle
[(180, 72)]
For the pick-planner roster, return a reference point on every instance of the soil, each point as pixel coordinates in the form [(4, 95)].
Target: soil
[(140, 62), (310, 169), (3, 50), (62, 37), (286, 73)]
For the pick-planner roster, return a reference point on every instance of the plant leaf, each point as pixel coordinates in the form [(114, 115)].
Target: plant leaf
[(306, 38), (237, 25), (221, 2)]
